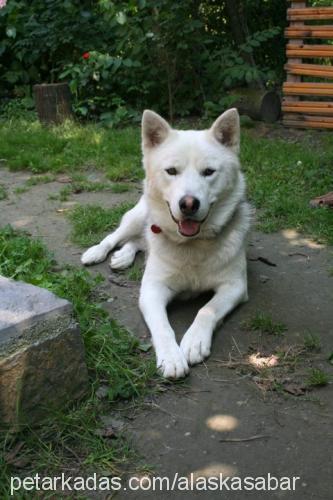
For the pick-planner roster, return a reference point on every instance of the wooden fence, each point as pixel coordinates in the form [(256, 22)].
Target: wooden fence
[(312, 112)]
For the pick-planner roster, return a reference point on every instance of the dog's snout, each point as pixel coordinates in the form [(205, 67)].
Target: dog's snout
[(189, 205)]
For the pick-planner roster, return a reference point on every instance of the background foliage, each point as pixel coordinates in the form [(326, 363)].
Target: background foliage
[(174, 56)]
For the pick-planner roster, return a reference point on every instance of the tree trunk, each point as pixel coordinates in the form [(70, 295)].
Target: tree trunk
[(240, 31), (53, 102)]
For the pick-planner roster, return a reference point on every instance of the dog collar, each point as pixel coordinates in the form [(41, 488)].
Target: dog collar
[(155, 229)]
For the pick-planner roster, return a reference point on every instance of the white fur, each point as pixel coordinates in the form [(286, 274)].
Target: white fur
[(214, 259)]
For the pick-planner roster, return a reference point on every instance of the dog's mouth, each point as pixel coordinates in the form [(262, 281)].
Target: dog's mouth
[(187, 227)]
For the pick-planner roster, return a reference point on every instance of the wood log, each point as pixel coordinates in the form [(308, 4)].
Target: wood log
[(53, 102), (257, 104)]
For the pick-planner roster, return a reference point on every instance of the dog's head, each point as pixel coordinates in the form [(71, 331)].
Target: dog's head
[(189, 172)]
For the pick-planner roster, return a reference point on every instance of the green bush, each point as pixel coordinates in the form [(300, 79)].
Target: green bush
[(120, 57)]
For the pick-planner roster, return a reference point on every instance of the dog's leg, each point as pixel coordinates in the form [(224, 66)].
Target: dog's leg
[(154, 297), (125, 256), (196, 342), (131, 227)]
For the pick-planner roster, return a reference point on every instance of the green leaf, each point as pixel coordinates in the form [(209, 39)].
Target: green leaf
[(254, 43), (121, 18), (11, 32), (83, 110), (249, 76), (145, 347)]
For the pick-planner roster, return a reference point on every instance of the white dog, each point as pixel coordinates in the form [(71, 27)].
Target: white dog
[(193, 220)]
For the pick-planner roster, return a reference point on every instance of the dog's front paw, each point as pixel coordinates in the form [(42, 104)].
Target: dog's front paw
[(171, 362), (93, 255), (196, 345)]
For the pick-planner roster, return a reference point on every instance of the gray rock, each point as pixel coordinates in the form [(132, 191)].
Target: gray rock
[(42, 365)]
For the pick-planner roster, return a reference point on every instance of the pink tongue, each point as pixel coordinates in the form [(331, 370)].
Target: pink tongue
[(188, 227)]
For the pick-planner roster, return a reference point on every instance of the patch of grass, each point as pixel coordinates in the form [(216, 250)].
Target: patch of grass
[(312, 342), (81, 184), (74, 439), (3, 192), (283, 176), (90, 222), (318, 378), (263, 323), (34, 181), (21, 189), (71, 147), (40, 179), (135, 273), (77, 187), (120, 187)]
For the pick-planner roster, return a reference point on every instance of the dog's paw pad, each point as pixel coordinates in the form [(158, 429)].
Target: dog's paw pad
[(196, 347), (122, 258), (94, 255)]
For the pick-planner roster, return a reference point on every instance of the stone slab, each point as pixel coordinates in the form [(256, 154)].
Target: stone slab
[(42, 361), (22, 305)]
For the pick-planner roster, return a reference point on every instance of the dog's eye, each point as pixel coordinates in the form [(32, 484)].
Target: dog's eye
[(171, 171), (207, 172)]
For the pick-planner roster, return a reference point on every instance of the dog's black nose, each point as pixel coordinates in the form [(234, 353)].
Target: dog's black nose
[(189, 205)]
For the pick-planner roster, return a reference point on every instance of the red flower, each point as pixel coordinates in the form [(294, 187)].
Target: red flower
[(86, 55)]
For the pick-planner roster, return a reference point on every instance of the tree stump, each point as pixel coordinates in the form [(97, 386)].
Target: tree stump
[(53, 102), (258, 104)]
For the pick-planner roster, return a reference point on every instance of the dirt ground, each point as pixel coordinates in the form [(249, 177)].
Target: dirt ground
[(223, 419)]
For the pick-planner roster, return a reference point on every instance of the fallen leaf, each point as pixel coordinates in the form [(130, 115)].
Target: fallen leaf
[(62, 210), (145, 346)]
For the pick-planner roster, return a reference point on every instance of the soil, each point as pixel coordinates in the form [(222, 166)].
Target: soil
[(225, 417)]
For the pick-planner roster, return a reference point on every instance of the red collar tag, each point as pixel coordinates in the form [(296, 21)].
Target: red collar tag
[(155, 229)]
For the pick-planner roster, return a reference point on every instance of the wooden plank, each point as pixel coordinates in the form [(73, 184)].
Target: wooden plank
[(307, 31), (311, 51), (309, 104), (313, 67), (307, 88), (302, 107), (305, 124), (305, 117), (316, 70), (323, 85), (310, 13)]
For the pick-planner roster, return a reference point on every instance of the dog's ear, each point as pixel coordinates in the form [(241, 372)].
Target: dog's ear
[(226, 129), (154, 129)]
